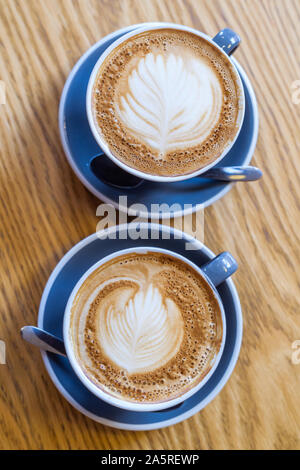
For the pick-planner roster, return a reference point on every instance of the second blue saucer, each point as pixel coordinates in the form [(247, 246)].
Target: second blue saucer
[(51, 312)]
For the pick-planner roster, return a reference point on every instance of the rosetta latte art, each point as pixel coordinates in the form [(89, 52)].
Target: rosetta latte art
[(171, 102), (143, 336)]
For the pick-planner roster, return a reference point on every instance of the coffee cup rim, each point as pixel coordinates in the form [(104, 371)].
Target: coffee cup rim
[(105, 396), (101, 141)]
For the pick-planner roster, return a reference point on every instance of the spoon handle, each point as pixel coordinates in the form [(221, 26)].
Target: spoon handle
[(43, 340), (234, 173)]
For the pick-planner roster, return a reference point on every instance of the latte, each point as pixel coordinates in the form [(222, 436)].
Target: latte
[(145, 327), (166, 102)]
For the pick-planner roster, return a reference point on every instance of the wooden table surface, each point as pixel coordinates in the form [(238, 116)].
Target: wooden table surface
[(45, 210)]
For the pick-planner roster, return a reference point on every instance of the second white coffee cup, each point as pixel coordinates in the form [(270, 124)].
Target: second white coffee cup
[(213, 272)]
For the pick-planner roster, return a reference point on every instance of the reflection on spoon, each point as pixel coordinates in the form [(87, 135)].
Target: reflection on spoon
[(43, 340)]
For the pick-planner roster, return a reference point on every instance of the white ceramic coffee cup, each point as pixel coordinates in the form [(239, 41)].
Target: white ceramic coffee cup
[(220, 268), (101, 141)]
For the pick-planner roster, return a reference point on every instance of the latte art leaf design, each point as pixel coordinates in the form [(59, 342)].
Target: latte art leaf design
[(145, 335), (171, 102)]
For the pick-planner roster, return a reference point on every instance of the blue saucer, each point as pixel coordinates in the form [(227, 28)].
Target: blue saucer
[(80, 146), (59, 286)]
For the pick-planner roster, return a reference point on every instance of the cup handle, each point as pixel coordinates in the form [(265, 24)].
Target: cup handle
[(228, 40), (220, 268)]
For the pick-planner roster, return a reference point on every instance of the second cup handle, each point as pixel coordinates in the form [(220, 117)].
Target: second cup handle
[(220, 268), (228, 40)]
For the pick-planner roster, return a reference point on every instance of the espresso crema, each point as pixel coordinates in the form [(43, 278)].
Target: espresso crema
[(166, 102), (145, 327)]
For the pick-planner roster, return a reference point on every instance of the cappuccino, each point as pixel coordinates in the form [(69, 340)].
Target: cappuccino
[(145, 327), (166, 102)]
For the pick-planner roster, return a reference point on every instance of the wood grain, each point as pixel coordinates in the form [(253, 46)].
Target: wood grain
[(44, 210)]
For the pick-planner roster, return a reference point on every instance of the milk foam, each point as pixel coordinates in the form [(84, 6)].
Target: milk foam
[(166, 102), (145, 327), (172, 101)]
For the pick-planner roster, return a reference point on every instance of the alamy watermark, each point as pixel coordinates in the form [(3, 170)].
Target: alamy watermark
[(2, 352), (2, 92), (296, 352), (184, 218), (296, 92)]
